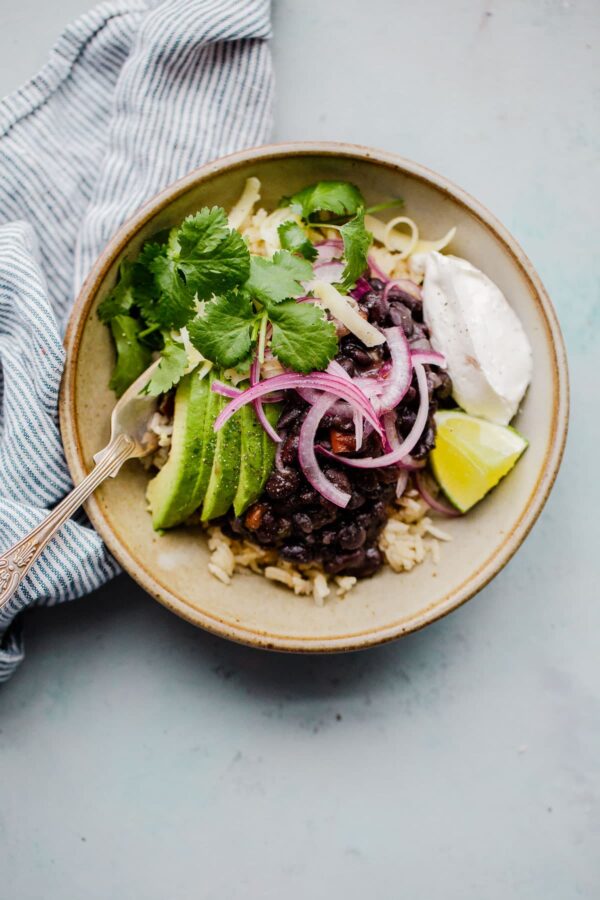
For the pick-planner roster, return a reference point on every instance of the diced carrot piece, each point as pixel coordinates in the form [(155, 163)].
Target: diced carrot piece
[(340, 442), (254, 516)]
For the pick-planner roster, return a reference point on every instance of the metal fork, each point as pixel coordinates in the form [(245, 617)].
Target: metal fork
[(129, 438)]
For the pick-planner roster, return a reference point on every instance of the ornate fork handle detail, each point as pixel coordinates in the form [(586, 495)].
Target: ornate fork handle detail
[(16, 562)]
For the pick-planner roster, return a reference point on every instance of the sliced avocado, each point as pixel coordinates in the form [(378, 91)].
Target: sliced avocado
[(173, 493), (257, 458), (209, 440), (273, 411), (224, 476)]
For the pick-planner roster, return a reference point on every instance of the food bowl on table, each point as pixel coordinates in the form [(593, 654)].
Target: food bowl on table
[(172, 567)]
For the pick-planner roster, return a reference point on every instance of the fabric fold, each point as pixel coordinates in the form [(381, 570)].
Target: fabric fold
[(134, 95)]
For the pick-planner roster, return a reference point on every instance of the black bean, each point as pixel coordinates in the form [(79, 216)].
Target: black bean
[(399, 314), (376, 306), (356, 500), (346, 364), (406, 420), (338, 478), (379, 512), (273, 527), (291, 415), (426, 442), (289, 450), (282, 483), (307, 496), (352, 536), (236, 525), (324, 516), (298, 553), (302, 521), (344, 562), (328, 536), (445, 388), (371, 562), (388, 475), (368, 482)]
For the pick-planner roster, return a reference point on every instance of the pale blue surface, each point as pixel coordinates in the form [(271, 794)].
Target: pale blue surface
[(142, 758)]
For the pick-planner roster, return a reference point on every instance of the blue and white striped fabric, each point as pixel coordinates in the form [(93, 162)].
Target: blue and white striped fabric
[(135, 94)]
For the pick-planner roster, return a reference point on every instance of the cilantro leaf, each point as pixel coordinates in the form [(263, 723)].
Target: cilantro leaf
[(339, 197), (170, 370), (212, 257), (132, 288), (293, 238), (303, 339), (222, 334), (357, 241), (132, 357), (277, 279), (202, 232), (172, 303)]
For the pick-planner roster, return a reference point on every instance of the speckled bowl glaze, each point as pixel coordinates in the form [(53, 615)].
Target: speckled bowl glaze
[(172, 568)]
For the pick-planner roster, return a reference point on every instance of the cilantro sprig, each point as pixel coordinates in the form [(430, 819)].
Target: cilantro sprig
[(201, 276), (340, 198), (292, 237), (357, 241), (227, 329)]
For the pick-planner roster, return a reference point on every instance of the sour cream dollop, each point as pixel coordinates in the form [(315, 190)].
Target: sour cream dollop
[(487, 351)]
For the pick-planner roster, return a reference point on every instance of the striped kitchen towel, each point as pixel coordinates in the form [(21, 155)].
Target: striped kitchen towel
[(135, 94)]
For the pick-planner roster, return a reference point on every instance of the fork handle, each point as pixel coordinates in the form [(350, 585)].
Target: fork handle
[(16, 562)]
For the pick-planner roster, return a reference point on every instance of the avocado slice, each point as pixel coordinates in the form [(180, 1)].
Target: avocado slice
[(225, 472), (273, 411), (174, 494), (257, 457), (209, 440)]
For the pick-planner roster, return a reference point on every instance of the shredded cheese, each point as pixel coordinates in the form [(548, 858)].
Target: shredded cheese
[(268, 228), (243, 208), (341, 308), (413, 238), (395, 240)]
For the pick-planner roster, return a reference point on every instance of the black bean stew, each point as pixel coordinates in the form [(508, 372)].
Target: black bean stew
[(290, 515)]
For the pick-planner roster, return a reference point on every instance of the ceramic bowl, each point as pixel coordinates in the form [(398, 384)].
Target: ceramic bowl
[(172, 568)]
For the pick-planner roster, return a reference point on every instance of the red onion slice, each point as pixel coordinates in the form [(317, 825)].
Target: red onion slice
[(438, 505), (336, 369), (329, 271), (361, 288), (258, 407), (408, 463), (326, 250), (340, 388), (307, 456), (404, 284), (398, 381), (227, 390), (402, 482), (429, 358), (407, 445), (358, 429)]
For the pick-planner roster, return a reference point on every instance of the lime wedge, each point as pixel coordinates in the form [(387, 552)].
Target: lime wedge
[(472, 455)]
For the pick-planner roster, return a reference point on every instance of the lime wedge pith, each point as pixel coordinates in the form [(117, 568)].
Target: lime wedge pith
[(471, 455)]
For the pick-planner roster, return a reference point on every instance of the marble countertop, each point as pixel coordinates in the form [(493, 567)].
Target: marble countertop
[(142, 758)]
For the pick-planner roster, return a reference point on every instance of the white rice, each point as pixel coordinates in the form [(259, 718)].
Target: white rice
[(407, 539)]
